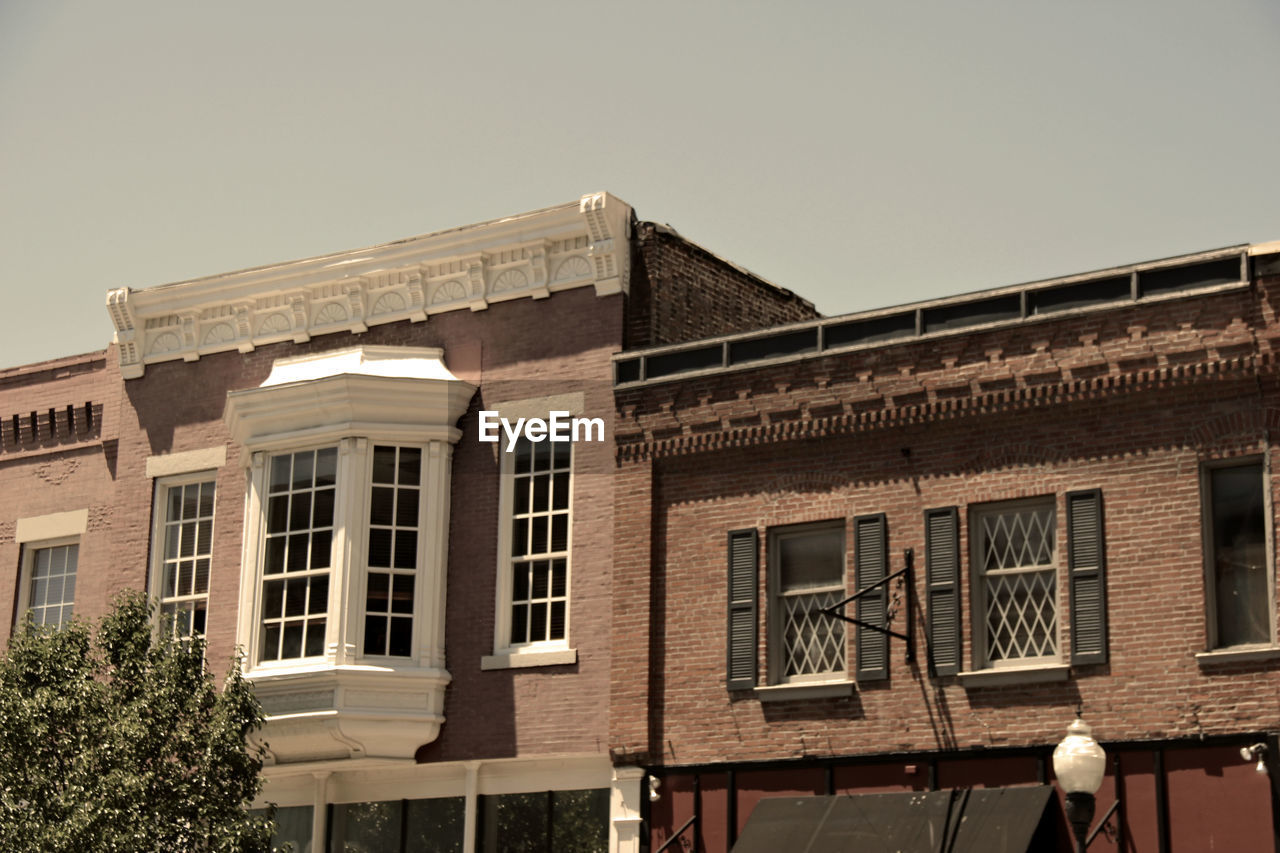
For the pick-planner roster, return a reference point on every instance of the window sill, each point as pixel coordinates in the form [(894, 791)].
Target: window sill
[(812, 690), (1015, 675), (1238, 654), (519, 660)]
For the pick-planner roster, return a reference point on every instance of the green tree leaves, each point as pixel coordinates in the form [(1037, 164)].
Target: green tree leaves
[(122, 742)]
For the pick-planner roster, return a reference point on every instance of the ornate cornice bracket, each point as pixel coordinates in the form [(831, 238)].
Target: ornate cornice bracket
[(120, 308), (608, 223)]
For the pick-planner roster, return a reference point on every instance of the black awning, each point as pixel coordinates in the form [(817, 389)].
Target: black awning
[(980, 820)]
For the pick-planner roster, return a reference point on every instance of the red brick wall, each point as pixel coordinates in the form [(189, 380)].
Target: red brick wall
[(681, 292), (1130, 401), (66, 472), (513, 350)]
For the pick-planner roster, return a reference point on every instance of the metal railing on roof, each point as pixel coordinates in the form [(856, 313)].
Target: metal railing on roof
[(1103, 289)]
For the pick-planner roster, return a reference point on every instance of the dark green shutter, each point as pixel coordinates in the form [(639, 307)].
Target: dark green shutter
[(744, 555), (871, 564), (1086, 564), (942, 578)]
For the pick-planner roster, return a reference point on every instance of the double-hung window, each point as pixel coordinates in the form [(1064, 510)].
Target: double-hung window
[(394, 504), (183, 552), (50, 557), (1236, 554), (540, 482), (1015, 560), (1018, 558), (52, 589), (806, 574), (298, 553)]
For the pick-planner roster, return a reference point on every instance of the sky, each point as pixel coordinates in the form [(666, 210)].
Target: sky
[(861, 154)]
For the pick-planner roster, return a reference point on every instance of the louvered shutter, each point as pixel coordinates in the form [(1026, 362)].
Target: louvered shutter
[(942, 575), (871, 564), (744, 553), (1086, 564)]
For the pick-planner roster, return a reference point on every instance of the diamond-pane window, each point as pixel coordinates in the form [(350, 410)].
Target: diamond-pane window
[(1015, 553), (807, 567)]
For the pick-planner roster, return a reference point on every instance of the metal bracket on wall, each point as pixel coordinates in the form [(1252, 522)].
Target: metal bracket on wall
[(906, 574)]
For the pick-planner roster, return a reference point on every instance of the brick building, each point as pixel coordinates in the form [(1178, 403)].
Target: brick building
[(1077, 477), (289, 459)]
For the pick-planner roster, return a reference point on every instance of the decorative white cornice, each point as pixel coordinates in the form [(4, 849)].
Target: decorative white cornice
[(530, 255)]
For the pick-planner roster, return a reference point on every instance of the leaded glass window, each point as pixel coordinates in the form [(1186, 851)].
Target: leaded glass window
[(808, 566), (1015, 554)]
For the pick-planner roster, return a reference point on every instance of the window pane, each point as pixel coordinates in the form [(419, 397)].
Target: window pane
[(580, 821), (277, 513), (402, 598), (407, 508), (434, 826), (326, 466), (323, 515), (514, 823), (366, 827), (559, 532), (274, 560), (188, 535), (811, 559), (384, 465), (321, 545), (410, 466), (380, 548), (560, 491), (315, 638), (401, 642), (381, 505), (293, 826), (303, 468), (280, 466), (1240, 555), (520, 494), (406, 549), (560, 821), (300, 512), (375, 634)]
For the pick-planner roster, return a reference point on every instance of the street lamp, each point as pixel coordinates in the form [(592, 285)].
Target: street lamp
[(1079, 763)]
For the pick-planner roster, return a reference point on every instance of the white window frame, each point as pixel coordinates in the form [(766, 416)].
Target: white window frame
[(776, 622), (26, 579), (978, 583), (1263, 461), (159, 522), (360, 559), (336, 704), (547, 652)]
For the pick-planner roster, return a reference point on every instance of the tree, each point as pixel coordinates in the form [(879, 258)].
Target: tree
[(122, 742)]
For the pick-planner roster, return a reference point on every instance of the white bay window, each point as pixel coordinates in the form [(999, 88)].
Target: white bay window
[(342, 594)]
